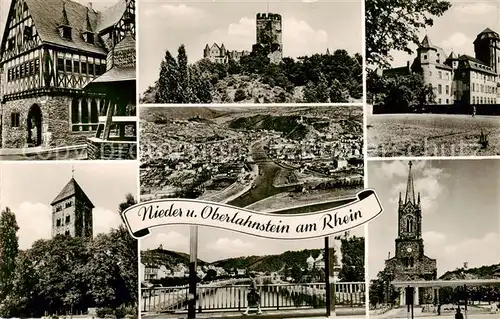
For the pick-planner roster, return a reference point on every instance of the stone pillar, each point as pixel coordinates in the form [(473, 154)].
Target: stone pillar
[(437, 296), (89, 108), (402, 296), (80, 113), (416, 297)]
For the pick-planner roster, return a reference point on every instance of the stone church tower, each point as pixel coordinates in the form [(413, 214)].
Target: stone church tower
[(72, 212), (410, 261)]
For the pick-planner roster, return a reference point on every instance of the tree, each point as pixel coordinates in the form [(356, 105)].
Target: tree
[(405, 92), (322, 90), (9, 249), (211, 275), (337, 94), (353, 259), (183, 84), (394, 25), (167, 87)]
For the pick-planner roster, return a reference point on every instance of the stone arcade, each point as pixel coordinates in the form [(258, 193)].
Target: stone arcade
[(50, 50)]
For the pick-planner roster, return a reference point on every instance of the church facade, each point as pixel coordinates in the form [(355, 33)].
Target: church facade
[(459, 79), (410, 262), (50, 50)]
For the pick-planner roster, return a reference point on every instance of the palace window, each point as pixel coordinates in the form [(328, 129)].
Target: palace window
[(439, 100), (28, 32), (11, 43), (84, 67), (32, 67), (440, 74), (76, 66), (98, 69), (440, 89), (69, 66), (447, 89), (425, 56), (9, 75), (68, 219), (60, 64), (37, 65), (58, 222), (14, 119), (67, 233), (473, 100), (447, 101)]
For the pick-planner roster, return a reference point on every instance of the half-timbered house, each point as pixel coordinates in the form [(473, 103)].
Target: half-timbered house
[(50, 50)]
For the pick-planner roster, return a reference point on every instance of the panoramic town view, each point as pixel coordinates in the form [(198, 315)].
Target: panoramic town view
[(262, 158)]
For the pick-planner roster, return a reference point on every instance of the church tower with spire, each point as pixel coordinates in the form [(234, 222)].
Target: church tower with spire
[(409, 261), (72, 212)]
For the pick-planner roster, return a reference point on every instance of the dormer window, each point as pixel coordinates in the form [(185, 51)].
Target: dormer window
[(66, 32), (89, 37)]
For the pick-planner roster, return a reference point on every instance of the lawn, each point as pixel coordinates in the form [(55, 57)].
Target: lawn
[(392, 135)]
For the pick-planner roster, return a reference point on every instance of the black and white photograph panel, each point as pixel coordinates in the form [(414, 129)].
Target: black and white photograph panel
[(67, 80), (239, 275), (437, 244), (288, 159), (263, 51), (433, 78), (65, 252)]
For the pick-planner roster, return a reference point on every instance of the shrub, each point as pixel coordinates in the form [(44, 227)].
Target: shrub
[(239, 95), (104, 312)]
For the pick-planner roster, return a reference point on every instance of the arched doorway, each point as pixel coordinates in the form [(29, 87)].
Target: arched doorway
[(34, 126)]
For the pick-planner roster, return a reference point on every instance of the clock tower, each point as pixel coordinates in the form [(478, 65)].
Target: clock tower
[(409, 261)]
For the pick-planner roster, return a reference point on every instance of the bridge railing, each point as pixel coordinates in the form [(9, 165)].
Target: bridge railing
[(233, 297)]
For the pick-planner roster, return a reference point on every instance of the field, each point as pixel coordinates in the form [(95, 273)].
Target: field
[(431, 135)]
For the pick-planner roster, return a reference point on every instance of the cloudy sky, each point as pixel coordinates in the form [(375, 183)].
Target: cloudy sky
[(460, 208), (309, 26), (457, 29), (29, 188), (215, 244)]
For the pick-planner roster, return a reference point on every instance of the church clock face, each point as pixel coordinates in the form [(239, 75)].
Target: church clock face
[(409, 249)]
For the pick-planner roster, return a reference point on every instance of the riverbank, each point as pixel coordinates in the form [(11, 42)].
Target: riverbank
[(289, 200)]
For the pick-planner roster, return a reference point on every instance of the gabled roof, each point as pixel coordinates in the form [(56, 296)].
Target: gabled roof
[(111, 16), (71, 189), (48, 15)]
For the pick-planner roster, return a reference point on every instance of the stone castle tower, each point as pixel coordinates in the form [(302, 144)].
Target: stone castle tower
[(72, 212), (487, 49), (269, 36), (410, 261)]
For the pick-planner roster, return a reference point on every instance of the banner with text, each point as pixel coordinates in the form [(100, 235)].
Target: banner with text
[(142, 217)]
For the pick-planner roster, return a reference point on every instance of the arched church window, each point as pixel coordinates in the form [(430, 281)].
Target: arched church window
[(409, 224)]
